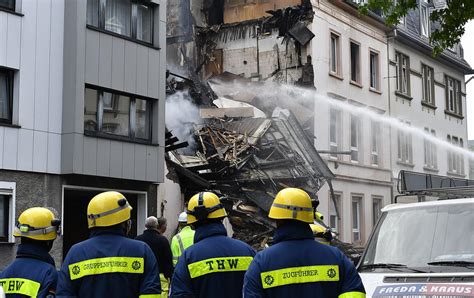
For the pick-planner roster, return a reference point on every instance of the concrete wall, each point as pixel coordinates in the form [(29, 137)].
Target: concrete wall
[(420, 116), (111, 62), (32, 45), (32, 189)]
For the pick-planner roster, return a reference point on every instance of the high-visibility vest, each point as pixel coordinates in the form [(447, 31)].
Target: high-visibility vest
[(181, 241)]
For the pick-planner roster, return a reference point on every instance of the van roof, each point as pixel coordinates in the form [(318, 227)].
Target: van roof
[(429, 203)]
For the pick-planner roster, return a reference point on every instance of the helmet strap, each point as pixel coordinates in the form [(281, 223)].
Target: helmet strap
[(93, 217), (295, 209)]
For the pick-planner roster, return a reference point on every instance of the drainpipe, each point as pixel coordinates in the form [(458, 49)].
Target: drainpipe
[(390, 36)]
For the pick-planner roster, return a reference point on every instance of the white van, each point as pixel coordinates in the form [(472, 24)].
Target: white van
[(421, 250)]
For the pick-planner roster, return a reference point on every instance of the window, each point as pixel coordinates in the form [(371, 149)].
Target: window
[(356, 218), (376, 209), (355, 138), (455, 159), (375, 143), (109, 113), (403, 73), (355, 62), (374, 70), (335, 222), (335, 54), (4, 217), (132, 19), (6, 95), (8, 4), (404, 142), (424, 18), (431, 159), (334, 131), (428, 84), (453, 96)]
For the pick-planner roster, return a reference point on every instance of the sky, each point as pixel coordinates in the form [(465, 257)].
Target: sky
[(467, 42)]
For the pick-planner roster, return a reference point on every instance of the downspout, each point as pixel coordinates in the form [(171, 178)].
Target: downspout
[(390, 36)]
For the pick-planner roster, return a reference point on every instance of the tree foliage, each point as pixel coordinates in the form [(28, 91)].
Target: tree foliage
[(451, 19)]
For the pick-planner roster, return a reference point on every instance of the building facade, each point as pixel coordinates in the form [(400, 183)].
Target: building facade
[(82, 94), (427, 93)]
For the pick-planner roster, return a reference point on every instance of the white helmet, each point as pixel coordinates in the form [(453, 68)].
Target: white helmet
[(183, 217)]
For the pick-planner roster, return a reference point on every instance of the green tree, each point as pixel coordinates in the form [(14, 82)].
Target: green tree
[(451, 19)]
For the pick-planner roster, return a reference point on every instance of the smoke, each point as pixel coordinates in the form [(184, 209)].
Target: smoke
[(181, 115), (287, 95)]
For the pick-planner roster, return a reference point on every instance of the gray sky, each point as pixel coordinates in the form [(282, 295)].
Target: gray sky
[(467, 42)]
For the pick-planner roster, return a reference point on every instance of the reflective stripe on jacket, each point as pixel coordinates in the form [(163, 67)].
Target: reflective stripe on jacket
[(109, 265), (32, 273), (181, 241), (213, 267), (298, 266)]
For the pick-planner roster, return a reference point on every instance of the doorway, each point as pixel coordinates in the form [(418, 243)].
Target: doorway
[(75, 203)]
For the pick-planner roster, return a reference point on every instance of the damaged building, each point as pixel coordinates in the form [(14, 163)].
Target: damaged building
[(322, 45)]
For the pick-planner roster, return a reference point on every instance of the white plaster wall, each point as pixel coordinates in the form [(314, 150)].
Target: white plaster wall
[(169, 196), (351, 178), (420, 116)]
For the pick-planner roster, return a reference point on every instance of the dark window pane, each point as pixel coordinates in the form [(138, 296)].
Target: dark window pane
[(8, 4), (116, 118), (90, 110), (5, 94), (142, 124), (92, 12), (354, 62), (118, 16), (4, 216), (144, 23)]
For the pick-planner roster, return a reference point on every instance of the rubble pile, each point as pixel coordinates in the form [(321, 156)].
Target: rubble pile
[(246, 156)]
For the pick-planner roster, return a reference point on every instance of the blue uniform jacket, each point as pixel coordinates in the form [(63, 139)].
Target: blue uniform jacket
[(299, 266), (109, 264), (213, 267), (33, 271)]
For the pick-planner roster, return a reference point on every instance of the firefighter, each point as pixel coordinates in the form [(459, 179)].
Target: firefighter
[(184, 238), (214, 266), (109, 264), (296, 265), (33, 273)]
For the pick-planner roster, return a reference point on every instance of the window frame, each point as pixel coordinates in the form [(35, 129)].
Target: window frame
[(358, 199), (337, 58), (454, 104), (455, 160), (430, 151), (338, 131), (133, 21), (132, 110), (379, 200), (375, 76), (9, 189), (332, 213), (357, 66), (425, 23), (404, 146), (427, 82), (10, 85), (402, 62), (357, 149), (375, 132)]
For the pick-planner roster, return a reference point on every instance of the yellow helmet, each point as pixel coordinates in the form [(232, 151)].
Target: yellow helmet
[(205, 205), (292, 203), (107, 209), (37, 223)]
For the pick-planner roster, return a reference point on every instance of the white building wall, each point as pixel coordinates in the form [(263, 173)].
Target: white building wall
[(352, 178), (31, 44), (421, 116)]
